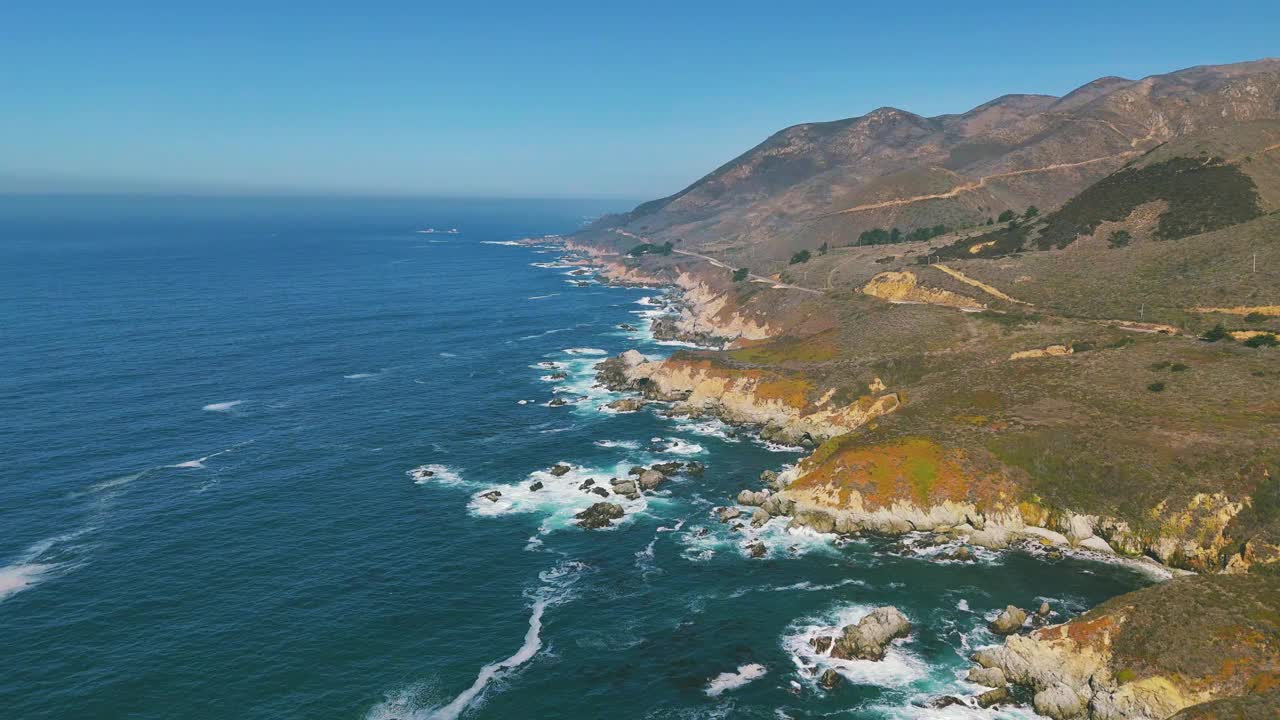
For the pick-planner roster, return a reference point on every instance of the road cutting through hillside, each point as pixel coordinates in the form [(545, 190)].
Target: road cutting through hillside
[(721, 264), (977, 184)]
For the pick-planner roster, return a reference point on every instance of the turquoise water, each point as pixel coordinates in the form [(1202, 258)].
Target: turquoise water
[(212, 410)]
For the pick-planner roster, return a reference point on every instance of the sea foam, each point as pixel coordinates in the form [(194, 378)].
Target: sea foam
[(734, 680), (222, 407)]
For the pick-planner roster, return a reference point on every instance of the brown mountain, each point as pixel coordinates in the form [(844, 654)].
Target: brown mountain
[(828, 182)]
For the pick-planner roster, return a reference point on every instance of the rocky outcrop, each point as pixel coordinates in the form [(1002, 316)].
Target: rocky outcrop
[(868, 639), (1009, 621), (600, 515), (789, 409), (905, 287), (1151, 653)]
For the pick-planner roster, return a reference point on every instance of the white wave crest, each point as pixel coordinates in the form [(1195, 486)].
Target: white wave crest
[(734, 680), (585, 351), (222, 407)]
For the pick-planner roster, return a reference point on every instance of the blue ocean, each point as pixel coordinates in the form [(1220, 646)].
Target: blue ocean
[(243, 466)]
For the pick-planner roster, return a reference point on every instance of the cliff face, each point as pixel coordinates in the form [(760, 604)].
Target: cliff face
[(918, 485), (790, 409), (1184, 646)]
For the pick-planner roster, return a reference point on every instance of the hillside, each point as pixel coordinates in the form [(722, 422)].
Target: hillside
[(1101, 374), (828, 182)]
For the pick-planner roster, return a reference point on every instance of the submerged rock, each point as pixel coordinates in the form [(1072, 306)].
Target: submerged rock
[(694, 468), (600, 491), (757, 550), (1009, 621), (867, 640), (829, 680), (535, 486), (492, 495), (599, 515)]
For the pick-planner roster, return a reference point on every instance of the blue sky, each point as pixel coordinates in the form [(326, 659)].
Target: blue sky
[(570, 99)]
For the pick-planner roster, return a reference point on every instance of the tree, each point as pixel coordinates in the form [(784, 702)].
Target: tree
[(1216, 333), (895, 235), (801, 257), (1007, 215), (822, 249), (1031, 212), (1119, 239), (991, 221), (740, 274)]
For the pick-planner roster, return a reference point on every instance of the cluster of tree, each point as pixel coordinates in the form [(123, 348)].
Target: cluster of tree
[(740, 274), (880, 236), (1008, 215), (801, 257), (650, 248)]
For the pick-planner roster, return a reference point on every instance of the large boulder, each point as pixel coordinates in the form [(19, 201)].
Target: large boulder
[(559, 469), (626, 488), (819, 520), (759, 518), (599, 515), (728, 513), (993, 697), (1059, 701), (991, 677), (1009, 621), (651, 479), (747, 497), (867, 640), (626, 405)]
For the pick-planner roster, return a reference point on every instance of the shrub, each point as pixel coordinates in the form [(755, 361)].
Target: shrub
[(740, 274), (801, 257), (1255, 317), (1031, 212), (1178, 367), (1119, 239), (1156, 387), (1258, 341), (650, 248), (1216, 333), (1006, 216), (822, 249), (1084, 346), (1160, 365)]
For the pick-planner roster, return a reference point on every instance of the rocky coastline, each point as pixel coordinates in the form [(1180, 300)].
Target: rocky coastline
[(1064, 671)]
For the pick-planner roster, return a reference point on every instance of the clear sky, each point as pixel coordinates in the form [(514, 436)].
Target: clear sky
[(531, 99)]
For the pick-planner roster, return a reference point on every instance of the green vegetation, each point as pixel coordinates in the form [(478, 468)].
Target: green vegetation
[(1162, 365), (1031, 212), (1202, 195), (1119, 239), (822, 249), (1156, 387), (1259, 341), (1178, 367), (740, 274), (880, 236), (1255, 317), (650, 249), (801, 257), (1216, 333)]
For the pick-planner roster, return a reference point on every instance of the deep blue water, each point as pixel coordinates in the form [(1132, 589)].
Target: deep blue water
[(210, 410)]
